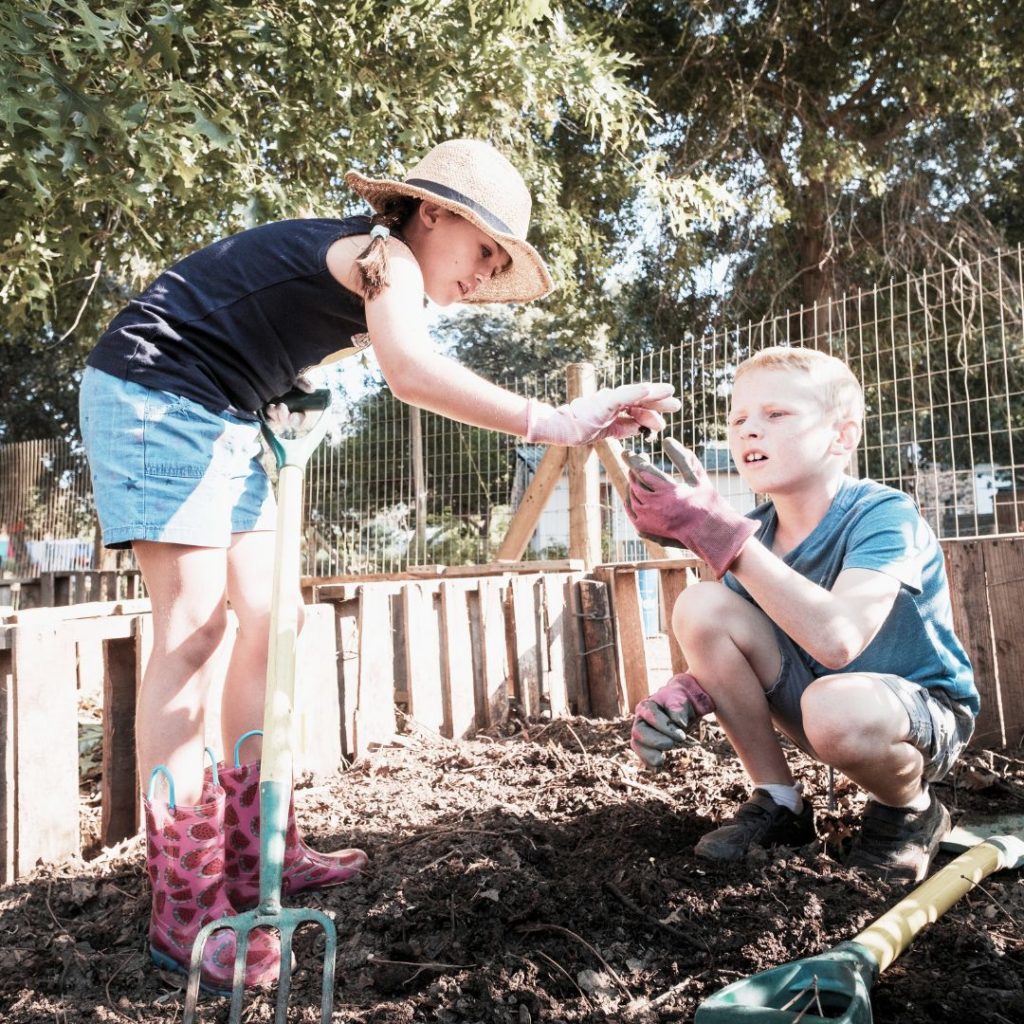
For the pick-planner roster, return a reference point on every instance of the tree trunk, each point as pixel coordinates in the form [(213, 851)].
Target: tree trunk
[(815, 280)]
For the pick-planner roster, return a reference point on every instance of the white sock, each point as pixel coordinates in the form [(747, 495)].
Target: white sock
[(786, 796), (921, 802)]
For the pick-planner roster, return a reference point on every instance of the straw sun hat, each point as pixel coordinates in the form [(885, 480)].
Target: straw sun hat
[(471, 178)]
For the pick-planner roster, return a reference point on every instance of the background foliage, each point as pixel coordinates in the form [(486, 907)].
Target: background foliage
[(692, 162)]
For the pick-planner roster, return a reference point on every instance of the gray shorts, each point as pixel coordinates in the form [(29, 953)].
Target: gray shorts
[(940, 727)]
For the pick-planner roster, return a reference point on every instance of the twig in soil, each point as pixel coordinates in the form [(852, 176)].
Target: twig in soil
[(992, 899), (559, 967), (579, 938), (453, 830), (106, 987), (586, 756), (651, 919), (644, 1005), (437, 860), (649, 790), (422, 965), (812, 987)]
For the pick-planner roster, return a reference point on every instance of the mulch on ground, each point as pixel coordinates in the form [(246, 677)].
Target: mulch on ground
[(536, 876)]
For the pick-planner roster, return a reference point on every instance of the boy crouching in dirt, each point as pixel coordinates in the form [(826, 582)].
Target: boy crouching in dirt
[(833, 625)]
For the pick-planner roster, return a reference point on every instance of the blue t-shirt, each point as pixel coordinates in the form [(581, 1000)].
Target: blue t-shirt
[(871, 526), (233, 325)]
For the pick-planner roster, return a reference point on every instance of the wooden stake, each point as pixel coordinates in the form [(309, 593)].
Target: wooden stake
[(524, 522)]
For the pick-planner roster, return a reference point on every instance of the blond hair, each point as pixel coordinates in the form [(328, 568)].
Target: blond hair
[(841, 392)]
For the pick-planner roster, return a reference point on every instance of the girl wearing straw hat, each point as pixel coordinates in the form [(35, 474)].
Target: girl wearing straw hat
[(169, 406)]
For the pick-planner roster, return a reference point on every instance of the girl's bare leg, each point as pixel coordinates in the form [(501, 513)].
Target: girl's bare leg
[(187, 590)]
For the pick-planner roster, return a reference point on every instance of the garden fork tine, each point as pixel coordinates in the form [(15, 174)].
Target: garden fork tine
[(276, 767)]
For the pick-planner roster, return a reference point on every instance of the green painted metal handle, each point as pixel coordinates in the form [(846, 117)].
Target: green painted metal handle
[(276, 769)]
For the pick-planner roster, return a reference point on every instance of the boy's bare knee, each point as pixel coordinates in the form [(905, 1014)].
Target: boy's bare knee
[(699, 609), (838, 734)]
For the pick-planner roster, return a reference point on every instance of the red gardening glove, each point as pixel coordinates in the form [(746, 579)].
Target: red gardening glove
[(610, 412), (663, 719), (691, 514)]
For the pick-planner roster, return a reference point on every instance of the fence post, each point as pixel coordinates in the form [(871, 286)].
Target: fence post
[(418, 480), (584, 480)]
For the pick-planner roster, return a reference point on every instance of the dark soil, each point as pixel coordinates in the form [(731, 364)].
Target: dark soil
[(536, 877)]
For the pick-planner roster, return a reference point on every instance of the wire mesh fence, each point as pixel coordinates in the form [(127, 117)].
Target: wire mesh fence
[(940, 355)]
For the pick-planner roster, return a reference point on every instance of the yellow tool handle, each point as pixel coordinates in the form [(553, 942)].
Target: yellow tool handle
[(894, 930)]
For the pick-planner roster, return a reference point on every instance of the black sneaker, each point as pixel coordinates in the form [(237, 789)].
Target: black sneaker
[(896, 843), (758, 822)]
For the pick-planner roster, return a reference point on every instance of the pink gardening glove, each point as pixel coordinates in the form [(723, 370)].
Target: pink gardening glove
[(692, 514), (610, 412), (663, 719)]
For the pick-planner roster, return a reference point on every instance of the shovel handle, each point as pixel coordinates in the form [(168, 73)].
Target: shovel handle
[(890, 935), (291, 455)]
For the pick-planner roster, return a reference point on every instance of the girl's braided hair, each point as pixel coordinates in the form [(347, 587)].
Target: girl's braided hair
[(373, 260)]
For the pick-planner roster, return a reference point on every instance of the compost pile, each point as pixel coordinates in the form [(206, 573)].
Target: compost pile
[(536, 875)]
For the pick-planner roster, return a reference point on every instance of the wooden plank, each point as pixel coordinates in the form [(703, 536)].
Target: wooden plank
[(558, 649), (577, 690), (504, 568), (584, 478), (119, 817), (629, 629), (672, 582), (457, 662), (965, 567), (103, 610), (681, 562), (317, 716), (401, 672), (375, 704), (341, 588), (524, 522), (1004, 571), (8, 779), (346, 623), (46, 773), (492, 706), (606, 696), (423, 657), (527, 667)]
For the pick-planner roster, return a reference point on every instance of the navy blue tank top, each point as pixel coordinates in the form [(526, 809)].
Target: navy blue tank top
[(234, 324)]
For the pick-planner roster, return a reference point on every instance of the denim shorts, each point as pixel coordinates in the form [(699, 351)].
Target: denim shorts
[(940, 727), (164, 468)]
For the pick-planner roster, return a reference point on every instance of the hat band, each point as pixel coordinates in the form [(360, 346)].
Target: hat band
[(451, 194)]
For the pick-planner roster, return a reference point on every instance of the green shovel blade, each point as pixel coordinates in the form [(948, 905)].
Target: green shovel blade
[(833, 986)]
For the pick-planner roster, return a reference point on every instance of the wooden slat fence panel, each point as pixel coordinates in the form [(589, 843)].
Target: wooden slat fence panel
[(452, 651)]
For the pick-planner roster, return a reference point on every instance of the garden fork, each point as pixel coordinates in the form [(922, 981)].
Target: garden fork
[(291, 451)]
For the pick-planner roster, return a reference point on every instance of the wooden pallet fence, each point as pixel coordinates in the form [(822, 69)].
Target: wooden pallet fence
[(454, 654), (987, 580), (47, 657), (618, 656), (57, 589)]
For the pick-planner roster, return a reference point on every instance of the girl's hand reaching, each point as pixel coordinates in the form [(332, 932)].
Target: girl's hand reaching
[(610, 412)]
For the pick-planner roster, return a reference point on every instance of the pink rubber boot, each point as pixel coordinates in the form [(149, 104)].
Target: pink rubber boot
[(303, 867), (185, 861)]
